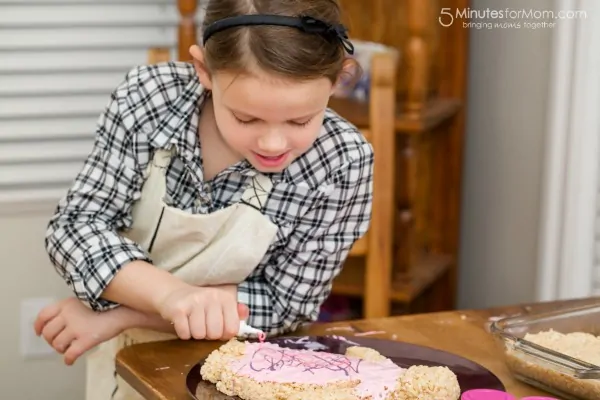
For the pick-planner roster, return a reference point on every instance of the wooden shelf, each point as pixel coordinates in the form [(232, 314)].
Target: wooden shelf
[(431, 268), (435, 113), (405, 289)]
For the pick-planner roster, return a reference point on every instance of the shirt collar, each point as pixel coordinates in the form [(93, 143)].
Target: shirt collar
[(182, 112)]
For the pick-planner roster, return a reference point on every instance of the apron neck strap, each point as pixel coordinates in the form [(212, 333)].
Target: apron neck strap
[(257, 192)]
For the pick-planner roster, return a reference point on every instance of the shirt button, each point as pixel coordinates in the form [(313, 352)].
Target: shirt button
[(147, 129)]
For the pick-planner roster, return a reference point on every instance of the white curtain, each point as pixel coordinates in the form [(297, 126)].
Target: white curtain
[(566, 267), (59, 61)]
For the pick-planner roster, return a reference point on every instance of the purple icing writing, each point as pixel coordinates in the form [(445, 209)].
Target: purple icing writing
[(281, 359)]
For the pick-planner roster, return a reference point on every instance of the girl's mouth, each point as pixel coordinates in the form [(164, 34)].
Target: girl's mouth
[(271, 161)]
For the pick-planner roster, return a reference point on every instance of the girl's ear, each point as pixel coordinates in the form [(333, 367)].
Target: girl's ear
[(200, 66), (349, 75)]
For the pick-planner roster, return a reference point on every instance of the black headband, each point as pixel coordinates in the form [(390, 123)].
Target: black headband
[(305, 24)]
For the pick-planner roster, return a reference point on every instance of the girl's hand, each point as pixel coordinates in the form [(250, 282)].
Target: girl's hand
[(204, 312), (72, 329)]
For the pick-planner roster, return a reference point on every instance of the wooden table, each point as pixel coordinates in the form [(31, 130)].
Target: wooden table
[(158, 370)]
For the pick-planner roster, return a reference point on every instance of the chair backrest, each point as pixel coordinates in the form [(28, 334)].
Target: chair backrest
[(372, 278), (158, 54), (381, 134)]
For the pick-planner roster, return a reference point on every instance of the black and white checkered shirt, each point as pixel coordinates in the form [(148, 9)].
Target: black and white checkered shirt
[(321, 202)]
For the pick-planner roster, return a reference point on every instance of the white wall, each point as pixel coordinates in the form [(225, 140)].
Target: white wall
[(508, 87), (27, 273)]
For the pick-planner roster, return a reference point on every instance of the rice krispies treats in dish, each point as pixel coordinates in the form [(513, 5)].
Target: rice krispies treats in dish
[(414, 383)]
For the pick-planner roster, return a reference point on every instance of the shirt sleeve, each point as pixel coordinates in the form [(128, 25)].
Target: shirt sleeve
[(81, 239), (298, 280)]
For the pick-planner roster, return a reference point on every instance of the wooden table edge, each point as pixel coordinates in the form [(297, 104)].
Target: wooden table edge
[(135, 381)]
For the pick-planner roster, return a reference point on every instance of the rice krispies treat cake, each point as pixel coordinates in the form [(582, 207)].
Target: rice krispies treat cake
[(579, 345), (266, 371)]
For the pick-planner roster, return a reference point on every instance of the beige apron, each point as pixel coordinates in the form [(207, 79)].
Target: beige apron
[(223, 247)]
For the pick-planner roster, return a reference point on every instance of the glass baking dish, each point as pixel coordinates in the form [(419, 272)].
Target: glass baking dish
[(549, 369)]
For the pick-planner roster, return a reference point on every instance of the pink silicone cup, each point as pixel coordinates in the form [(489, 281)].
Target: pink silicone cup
[(486, 394), (538, 398)]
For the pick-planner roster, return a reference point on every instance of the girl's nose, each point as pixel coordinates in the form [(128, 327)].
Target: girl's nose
[(272, 143)]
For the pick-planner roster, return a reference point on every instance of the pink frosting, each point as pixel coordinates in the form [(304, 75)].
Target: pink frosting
[(267, 362)]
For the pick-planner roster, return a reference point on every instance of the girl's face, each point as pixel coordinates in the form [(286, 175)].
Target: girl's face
[(267, 120)]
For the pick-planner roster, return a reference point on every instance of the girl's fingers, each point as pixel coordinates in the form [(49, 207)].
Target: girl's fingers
[(243, 311), (214, 322), (52, 328), (75, 350), (231, 321), (182, 326), (44, 316), (63, 340), (198, 323)]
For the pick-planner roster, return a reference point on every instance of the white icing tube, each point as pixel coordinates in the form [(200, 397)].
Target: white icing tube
[(247, 330)]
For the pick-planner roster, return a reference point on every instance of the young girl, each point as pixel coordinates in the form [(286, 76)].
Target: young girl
[(216, 191)]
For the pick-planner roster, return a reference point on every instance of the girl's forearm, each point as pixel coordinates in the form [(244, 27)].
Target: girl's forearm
[(142, 287), (128, 318)]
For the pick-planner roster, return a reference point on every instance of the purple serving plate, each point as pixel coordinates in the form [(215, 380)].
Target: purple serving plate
[(470, 375)]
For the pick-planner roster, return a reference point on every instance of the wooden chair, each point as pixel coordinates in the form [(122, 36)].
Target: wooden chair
[(374, 252)]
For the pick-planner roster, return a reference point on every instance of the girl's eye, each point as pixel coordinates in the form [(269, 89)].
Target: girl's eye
[(300, 124), (251, 121), (244, 122)]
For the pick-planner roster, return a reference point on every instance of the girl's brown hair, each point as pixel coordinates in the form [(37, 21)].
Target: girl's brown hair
[(285, 51)]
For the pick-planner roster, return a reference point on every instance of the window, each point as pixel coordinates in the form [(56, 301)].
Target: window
[(59, 61)]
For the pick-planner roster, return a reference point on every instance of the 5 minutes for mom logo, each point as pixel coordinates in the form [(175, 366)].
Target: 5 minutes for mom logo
[(447, 16)]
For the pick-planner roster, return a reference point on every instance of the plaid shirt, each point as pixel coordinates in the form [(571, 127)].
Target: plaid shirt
[(321, 203)]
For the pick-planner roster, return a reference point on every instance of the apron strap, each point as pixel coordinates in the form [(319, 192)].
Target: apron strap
[(160, 161), (156, 173), (162, 158), (257, 192)]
